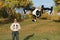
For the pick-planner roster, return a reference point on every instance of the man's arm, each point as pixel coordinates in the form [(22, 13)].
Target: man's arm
[(11, 27), (19, 27)]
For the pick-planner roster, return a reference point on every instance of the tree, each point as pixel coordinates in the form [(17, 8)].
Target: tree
[(57, 2), (1, 3), (10, 5), (14, 3)]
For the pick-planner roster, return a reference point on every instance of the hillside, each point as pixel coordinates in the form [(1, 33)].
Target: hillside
[(40, 30)]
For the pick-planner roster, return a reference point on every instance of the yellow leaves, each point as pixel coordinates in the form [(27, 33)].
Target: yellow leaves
[(57, 1), (12, 3), (54, 16), (0, 3), (45, 15), (23, 3)]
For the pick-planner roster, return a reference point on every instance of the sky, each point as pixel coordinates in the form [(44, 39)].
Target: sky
[(46, 3)]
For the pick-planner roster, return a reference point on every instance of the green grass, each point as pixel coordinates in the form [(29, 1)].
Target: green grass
[(42, 30)]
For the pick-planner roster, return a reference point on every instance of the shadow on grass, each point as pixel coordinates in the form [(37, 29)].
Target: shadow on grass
[(2, 23), (44, 18), (56, 20), (45, 39), (5, 21), (28, 37)]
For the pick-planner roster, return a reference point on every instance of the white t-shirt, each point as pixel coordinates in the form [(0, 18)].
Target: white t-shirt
[(34, 12), (15, 27)]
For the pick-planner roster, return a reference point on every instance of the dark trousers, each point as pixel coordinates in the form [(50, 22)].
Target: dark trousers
[(15, 35)]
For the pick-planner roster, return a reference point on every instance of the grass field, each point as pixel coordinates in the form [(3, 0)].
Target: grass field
[(40, 30)]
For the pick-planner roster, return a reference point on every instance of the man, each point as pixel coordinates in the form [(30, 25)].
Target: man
[(15, 28)]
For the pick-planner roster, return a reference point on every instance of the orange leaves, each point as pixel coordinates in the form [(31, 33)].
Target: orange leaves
[(1, 3)]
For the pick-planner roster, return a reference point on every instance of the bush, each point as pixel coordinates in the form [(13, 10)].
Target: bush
[(15, 15), (18, 17), (29, 16), (45, 15), (54, 15), (3, 13)]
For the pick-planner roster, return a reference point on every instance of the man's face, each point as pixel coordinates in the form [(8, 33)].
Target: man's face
[(15, 20)]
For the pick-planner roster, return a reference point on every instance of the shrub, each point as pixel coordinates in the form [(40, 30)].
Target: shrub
[(29, 16), (54, 16), (45, 15), (15, 15)]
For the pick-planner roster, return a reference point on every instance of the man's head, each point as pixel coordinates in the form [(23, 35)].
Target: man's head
[(15, 20)]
